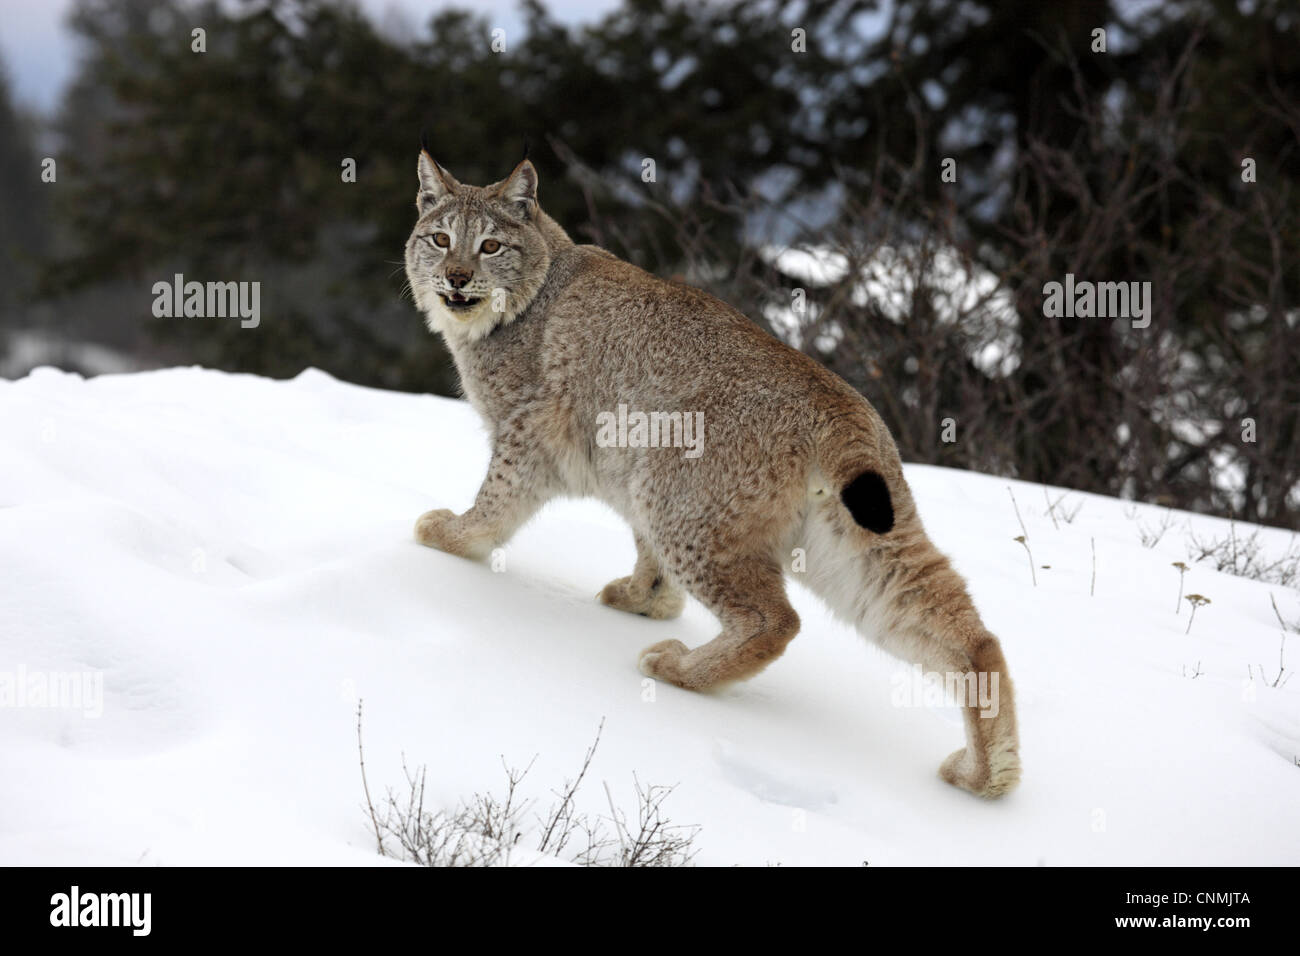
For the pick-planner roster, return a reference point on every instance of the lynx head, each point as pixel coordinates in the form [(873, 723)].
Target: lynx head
[(478, 254)]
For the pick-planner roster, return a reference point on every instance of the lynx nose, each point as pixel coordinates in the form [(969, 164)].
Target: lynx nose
[(457, 278)]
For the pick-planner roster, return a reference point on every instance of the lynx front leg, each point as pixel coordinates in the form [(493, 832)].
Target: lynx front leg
[(648, 591), (514, 488)]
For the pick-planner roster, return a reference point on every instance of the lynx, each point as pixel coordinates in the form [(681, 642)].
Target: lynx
[(551, 337)]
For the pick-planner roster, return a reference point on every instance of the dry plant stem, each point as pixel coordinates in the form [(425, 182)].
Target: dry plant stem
[(1025, 544), (1024, 538), (370, 807), (557, 824), (1285, 626), (1150, 537), (1023, 530), (1281, 651), (484, 830)]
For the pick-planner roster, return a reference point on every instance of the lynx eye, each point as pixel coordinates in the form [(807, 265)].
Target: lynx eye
[(490, 246), (441, 240)]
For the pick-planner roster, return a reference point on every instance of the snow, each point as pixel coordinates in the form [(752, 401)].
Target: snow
[(233, 556)]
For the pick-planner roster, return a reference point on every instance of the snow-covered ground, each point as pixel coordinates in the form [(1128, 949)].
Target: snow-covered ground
[(232, 556)]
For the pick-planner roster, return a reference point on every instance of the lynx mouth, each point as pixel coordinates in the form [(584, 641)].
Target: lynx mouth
[(458, 301)]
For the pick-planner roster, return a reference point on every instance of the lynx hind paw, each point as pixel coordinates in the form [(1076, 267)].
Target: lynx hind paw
[(660, 602), (661, 660), (1000, 777)]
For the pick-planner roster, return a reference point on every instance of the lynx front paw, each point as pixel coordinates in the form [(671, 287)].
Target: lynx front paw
[(450, 532), (660, 601), (662, 661), (433, 529), (995, 778)]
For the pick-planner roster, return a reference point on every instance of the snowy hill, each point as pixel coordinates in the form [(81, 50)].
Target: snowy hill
[(234, 557)]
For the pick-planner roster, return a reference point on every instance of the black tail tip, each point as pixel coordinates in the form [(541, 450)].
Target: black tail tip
[(867, 498)]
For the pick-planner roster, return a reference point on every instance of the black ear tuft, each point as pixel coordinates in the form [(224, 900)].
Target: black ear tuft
[(867, 498), (424, 140), (525, 146)]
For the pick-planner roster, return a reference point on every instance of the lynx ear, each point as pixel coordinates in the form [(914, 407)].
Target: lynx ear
[(520, 189), (435, 183)]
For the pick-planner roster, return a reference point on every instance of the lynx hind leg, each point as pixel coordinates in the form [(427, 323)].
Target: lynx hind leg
[(937, 627), (989, 764), (648, 591), (757, 624)]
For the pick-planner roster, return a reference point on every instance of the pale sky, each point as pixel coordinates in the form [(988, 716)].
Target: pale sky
[(39, 53)]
